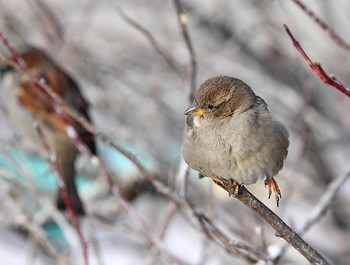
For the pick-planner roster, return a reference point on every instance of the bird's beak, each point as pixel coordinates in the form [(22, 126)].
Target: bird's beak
[(194, 111)]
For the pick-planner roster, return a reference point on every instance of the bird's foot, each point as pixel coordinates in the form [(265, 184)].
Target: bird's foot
[(234, 187), (273, 186)]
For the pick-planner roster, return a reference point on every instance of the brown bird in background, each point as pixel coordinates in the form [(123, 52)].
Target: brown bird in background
[(28, 103), (231, 135)]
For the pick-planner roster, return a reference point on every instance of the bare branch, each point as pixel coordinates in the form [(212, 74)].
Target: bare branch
[(52, 26), (192, 70), (316, 67), (170, 61), (170, 212), (213, 233), (324, 202), (281, 228), (334, 36)]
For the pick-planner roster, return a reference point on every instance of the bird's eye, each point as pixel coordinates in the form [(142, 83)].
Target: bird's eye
[(210, 106)]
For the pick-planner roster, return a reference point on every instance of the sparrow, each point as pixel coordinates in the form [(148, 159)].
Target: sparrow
[(231, 136), (29, 105)]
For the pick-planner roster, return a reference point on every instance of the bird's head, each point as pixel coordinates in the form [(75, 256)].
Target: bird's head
[(220, 97)]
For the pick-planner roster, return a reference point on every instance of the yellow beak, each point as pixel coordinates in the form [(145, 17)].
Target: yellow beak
[(194, 111)]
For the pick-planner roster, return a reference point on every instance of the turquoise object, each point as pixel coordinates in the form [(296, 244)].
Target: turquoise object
[(17, 162), (118, 163)]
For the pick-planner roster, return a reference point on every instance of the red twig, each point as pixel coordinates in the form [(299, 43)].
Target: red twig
[(63, 190), (14, 54), (316, 67)]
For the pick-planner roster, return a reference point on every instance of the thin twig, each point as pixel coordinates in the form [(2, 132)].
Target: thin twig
[(170, 61), (169, 213), (316, 67), (334, 36), (213, 233), (63, 190), (52, 25), (95, 244), (323, 203), (23, 220), (191, 73)]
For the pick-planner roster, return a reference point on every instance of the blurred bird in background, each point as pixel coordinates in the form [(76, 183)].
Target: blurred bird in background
[(26, 104)]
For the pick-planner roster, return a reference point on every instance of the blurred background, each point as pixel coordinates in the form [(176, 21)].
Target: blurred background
[(138, 98)]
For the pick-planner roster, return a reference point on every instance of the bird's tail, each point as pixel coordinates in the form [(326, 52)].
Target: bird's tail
[(65, 159), (73, 197)]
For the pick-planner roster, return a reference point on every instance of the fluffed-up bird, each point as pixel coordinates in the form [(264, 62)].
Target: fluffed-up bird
[(232, 137)]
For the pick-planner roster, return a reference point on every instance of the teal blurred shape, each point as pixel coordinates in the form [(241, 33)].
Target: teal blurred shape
[(119, 164), (18, 162), (55, 234)]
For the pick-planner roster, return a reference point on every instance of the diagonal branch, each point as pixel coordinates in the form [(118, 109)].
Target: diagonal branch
[(213, 233), (334, 35), (324, 202), (281, 228), (170, 61), (316, 67)]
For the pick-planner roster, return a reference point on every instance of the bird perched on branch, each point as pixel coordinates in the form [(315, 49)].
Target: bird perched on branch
[(231, 136), (29, 103)]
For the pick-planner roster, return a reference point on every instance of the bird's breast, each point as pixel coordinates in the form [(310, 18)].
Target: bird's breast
[(229, 149)]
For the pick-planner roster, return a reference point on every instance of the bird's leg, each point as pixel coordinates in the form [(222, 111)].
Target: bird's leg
[(273, 186)]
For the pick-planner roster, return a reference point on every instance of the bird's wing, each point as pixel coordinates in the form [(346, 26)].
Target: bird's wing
[(66, 87)]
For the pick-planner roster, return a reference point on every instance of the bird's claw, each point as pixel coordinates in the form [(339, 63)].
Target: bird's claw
[(272, 185), (235, 188)]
